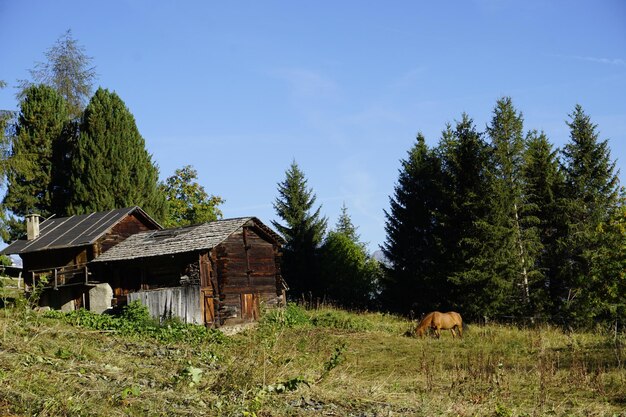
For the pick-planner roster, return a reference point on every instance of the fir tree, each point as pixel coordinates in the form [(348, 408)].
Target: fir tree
[(41, 127), (344, 225), (110, 165), (470, 247), (412, 247), (543, 187), (591, 192), (511, 230), (349, 277), (302, 230)]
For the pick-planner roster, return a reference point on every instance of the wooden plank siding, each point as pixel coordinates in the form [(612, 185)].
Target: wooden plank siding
[(247, 270), (233, 263), (125, 228)]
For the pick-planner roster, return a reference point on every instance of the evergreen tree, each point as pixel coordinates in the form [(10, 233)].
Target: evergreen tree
[(303, 231), (188, 202), (68, 70), (414, 280), (110, 165), (41, 126), (344, 225), (510, 228), (470, 248), (348, 275), (543, 185), (591, 192)]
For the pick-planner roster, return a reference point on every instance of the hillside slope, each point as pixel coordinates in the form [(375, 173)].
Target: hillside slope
[(296, 362)]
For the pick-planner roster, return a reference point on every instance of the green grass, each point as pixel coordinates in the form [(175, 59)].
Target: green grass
[(305, 363), (8, 288)]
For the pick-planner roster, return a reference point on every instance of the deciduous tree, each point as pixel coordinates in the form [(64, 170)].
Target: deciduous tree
[(187, 200), (349, 276)]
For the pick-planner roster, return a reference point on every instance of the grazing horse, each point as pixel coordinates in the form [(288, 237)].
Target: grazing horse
[(437, 321)]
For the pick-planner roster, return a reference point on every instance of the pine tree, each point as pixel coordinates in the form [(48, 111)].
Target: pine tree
[(303, 232), (591, 192), (511, 230), (40, 127), (110, 165), (412, 247)]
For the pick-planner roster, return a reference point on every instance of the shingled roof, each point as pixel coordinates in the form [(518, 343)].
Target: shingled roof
[(79, 230), (180, 240)]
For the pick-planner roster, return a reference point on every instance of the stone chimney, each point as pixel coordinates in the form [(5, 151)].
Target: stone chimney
[(32, 226)]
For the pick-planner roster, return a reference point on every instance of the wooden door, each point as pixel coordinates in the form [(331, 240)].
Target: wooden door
[(209, 309), (250, 309)]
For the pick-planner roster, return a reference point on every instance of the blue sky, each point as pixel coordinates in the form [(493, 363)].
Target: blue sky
[(240, 89)]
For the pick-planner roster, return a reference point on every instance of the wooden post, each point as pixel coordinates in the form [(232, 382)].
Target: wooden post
[(56, 284), (86, 275)]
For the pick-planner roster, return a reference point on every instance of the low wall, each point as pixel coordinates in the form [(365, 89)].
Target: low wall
[(163, 303)]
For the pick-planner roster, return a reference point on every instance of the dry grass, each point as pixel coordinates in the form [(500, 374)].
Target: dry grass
[(345, 365)]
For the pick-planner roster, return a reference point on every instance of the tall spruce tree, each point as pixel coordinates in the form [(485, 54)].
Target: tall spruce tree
[(543, 188), (591, 193), (511, 229), (111, 167), (344, 225), (41, 127), (470, 247), (303, 231), (415, 280)]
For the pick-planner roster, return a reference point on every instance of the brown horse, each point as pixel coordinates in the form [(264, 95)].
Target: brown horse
[(438, 321)]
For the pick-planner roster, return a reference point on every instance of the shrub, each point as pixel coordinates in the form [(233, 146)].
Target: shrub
[(136, 321), (292, 315)]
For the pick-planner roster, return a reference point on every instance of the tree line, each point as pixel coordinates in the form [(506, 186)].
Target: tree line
[(495, 223)]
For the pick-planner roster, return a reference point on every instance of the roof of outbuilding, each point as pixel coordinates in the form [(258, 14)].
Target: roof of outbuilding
[(79, 230), (180, 240)]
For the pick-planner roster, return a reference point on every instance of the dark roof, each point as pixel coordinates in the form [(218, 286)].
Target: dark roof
[(79, 230), (181, 240)]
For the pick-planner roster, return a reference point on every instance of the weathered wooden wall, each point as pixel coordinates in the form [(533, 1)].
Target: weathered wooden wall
[(245, 264), (126, 227), (182, 302)]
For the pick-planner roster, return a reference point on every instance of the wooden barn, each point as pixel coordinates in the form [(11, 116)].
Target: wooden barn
[(216, 273), (57, 252)]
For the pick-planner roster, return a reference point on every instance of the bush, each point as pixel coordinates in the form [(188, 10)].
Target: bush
[(291, 315), (338, 319), (135, 321)]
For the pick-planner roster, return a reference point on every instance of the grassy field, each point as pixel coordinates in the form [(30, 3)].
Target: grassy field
[(303, 363)]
